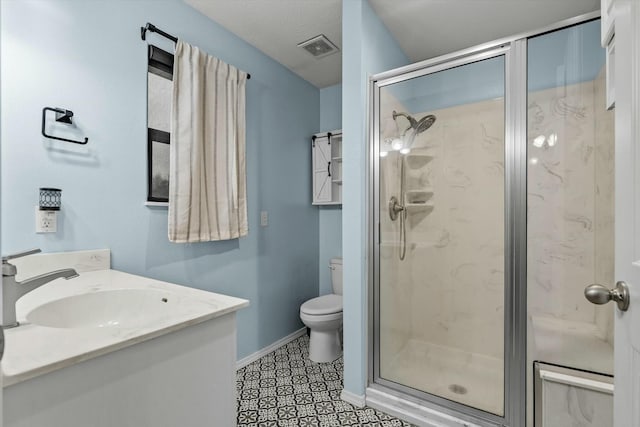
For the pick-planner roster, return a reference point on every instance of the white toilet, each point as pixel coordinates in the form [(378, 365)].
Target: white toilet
[(323, 316)]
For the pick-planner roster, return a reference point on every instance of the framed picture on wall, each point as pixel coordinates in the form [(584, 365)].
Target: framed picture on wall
[(159, 92)]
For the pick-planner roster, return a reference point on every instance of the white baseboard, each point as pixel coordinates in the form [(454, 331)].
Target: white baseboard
[(268, 349), (356, 400)]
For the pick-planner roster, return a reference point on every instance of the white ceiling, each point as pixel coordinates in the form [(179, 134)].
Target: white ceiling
[(423, 28), (277, 26)]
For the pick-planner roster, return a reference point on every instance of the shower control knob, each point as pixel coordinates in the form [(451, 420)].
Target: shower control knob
[(599, 294), (394, 208)]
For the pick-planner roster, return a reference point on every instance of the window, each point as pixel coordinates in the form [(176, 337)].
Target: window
[(159, 92)]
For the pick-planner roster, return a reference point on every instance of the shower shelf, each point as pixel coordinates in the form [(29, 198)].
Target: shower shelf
[(421, 152), (419, 206), (418, 154), (416, 159), (414, 245), (419, 197)]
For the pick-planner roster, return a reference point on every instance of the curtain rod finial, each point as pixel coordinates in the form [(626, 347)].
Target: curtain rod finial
[(143, 30)]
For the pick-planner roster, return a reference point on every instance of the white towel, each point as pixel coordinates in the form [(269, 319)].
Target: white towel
[(207, 184)]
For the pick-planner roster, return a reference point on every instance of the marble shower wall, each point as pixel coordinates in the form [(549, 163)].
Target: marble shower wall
[(395, 289), (571, 216), (605, 205), (566, 405), (454, 254), (449, 289), (455, 249), (561, 202)]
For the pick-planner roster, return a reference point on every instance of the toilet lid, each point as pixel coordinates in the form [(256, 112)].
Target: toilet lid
[(326, 304)]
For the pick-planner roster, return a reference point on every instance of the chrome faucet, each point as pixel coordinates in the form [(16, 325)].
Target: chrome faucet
[(12, 290)]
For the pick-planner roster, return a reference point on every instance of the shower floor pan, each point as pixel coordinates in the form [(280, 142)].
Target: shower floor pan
[(472, 379)]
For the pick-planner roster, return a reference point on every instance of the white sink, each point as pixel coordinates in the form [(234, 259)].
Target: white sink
[(122, 308), (101, 311)]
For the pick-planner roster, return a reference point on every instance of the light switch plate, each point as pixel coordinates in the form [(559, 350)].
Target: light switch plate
[(264, 218)]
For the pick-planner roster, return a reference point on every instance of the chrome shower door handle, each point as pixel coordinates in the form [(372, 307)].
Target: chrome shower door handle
[(598, 294)]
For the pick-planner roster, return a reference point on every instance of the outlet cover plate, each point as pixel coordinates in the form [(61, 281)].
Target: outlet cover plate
[(46, 221)]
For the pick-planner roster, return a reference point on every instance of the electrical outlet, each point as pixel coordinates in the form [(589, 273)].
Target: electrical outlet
[(46, 221), (264, 218)]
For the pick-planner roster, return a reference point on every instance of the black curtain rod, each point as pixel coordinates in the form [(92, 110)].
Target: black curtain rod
[(154, 29)]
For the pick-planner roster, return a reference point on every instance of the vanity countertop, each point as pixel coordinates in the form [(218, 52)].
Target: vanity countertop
[(32, 350)]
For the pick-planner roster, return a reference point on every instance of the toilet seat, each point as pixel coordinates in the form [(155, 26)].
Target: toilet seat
[(321, 318), (320, 306)]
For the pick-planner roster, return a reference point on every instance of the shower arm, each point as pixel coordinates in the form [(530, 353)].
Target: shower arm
[(411, 120), (396, 114)]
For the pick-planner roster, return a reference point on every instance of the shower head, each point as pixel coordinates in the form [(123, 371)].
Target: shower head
[(418, 126), (425, 123)]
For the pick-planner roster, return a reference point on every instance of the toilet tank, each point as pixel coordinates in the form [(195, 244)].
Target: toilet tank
[(336, 275)]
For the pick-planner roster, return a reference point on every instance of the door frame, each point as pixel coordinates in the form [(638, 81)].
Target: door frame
[(514, 50)]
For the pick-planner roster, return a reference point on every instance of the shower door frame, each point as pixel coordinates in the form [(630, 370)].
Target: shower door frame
[(511, 224), (514, 50)]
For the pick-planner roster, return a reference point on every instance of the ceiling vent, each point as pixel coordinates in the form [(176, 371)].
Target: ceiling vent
[(319, 46)]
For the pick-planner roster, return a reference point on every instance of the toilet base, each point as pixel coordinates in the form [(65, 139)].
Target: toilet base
[(324, 346)]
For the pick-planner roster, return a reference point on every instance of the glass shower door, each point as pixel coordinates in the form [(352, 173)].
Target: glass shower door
[(440, 288), (570, 229)]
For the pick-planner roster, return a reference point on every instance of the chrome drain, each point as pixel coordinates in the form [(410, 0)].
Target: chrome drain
[(458, 389)]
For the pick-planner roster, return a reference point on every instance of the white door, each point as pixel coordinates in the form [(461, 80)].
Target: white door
[(627, 195), (2, 352)]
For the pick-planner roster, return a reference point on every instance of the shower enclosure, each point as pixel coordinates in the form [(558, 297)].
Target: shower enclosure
[(492, 208)]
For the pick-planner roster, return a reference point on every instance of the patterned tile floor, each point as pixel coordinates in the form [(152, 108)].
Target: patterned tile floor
[(285, 388)]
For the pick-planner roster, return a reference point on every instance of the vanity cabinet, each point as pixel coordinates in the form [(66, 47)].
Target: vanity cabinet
[(326, 160), (185, 378), (112, 349)]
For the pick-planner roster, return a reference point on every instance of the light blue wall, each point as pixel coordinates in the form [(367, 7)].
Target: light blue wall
[(565, 57), (331, 108), (474, 82), (87, 56), (368, 48), (330, 217)]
